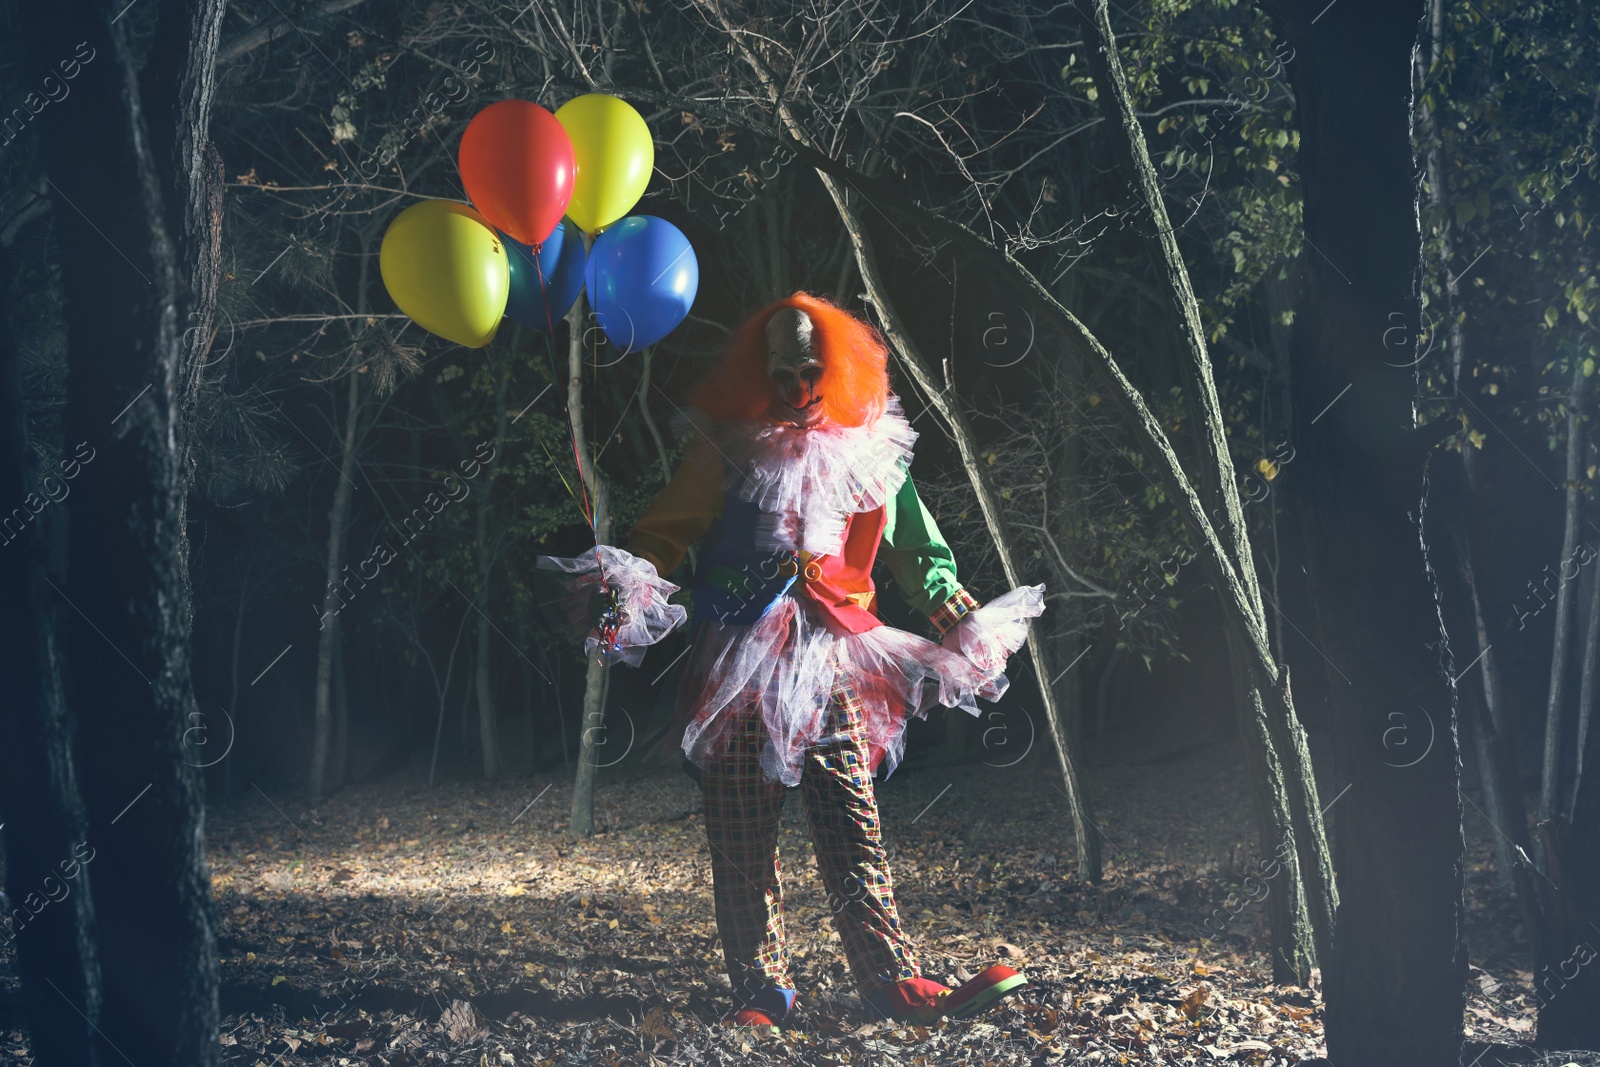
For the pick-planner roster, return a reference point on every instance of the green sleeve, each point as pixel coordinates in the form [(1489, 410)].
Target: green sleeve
[(916, 553)]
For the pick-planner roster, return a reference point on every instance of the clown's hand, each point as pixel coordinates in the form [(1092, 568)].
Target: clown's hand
[(617, 602), (988, 634)]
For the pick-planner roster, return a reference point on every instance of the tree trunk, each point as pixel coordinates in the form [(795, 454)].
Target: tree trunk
[(1477, 718), (488, 720), (442, 688), (1477, 724), (1503, 751), (1566, 978), (1481, 708), (338, 517), (1104, 681), (233, 677), (910, 355), (1451, 508), (467, 690), (1502, 803), (1555, 710), (1292, 951), (40, 803), (646, 358), (1072, 647), (1395, 984), (1567, 933), (1288, 815), (339, 759), (1073, 644), (135, 158), (525, 674), (1586, 684), (594, 710), (1567, 975), (488, 713)]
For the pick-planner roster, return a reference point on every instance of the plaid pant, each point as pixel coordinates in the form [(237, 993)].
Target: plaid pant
[(741, 811)]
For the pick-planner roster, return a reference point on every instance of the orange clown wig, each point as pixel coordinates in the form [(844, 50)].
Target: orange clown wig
[(855, 367)]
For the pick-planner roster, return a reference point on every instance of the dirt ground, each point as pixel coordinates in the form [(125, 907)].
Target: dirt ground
[(400, 924)]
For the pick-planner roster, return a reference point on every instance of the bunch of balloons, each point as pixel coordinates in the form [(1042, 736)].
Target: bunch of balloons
[(459, 271)]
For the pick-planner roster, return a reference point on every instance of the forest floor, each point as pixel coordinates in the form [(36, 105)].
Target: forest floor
[(399, 924)]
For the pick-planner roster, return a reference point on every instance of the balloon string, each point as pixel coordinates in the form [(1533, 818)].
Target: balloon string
[(585, 505), (553, 465), (594, 420), (544, 298), (543, 292), (583, 500)]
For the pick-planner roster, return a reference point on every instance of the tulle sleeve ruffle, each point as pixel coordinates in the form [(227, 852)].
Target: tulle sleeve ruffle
[(646, 615), (988, 635)]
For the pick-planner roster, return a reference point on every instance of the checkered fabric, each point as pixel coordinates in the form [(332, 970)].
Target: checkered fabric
[(953, 610), (741, 811)]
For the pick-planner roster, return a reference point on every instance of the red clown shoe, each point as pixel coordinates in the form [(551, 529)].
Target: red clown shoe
[(765, 1008), (922, 1001), (990, 986)]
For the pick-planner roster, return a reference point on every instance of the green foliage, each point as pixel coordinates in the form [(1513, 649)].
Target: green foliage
[(986, 114), (1510, 133)]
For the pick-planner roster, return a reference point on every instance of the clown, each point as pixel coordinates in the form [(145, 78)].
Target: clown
[(795, 481)]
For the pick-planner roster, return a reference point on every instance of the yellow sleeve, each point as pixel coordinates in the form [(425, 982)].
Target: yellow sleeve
[(679, 516)]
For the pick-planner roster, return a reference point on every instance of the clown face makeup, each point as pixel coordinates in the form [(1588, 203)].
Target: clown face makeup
[(794, 368)]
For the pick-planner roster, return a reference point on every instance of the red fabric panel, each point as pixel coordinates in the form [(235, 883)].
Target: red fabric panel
[(850, 572)]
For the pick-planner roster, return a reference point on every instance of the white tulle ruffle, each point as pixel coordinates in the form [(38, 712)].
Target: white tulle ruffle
[(641, 593), (807, 481), (988, 635), (788, 663)]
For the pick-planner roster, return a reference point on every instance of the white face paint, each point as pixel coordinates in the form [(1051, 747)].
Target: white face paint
[(793, 367)]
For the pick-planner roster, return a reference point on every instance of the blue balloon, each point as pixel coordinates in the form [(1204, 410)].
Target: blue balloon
[(642, 276), (545, 285)]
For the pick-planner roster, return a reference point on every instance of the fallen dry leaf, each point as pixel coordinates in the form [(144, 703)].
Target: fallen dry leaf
[(1195, 1000), (1519, 1025), (1113, 968), (462, 1023)]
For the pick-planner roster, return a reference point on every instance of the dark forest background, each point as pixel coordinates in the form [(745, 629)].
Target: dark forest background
[(356, 620)]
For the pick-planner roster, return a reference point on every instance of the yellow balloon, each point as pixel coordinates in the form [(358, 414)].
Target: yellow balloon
[(447, 269), (614, 154)]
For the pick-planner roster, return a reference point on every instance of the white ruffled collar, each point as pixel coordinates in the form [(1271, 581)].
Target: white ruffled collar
[(808, 481)]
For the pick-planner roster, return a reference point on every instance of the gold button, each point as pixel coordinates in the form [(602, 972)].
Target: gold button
[(813, 572), (789, 568)]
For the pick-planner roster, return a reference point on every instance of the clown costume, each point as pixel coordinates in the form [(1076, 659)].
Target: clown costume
[(794, 481)]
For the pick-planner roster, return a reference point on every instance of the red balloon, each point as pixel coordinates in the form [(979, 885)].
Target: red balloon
[(516, 163)]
